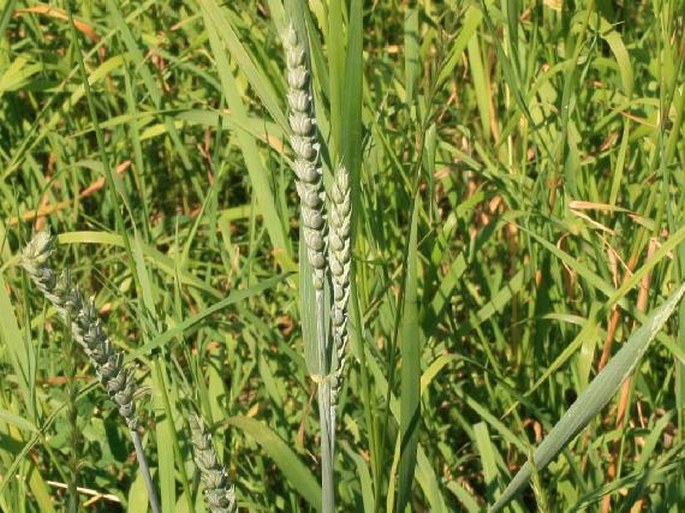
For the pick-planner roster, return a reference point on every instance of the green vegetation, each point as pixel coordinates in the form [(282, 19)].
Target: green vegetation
[(517, 214)]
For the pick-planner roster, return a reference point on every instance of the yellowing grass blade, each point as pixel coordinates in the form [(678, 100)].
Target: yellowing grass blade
[(594, 398)]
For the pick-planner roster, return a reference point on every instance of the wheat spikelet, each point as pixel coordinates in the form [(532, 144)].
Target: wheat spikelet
[(339, 258), (303, 139), (220, 494)]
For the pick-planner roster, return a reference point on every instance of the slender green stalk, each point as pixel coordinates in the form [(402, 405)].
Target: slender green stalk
[(87, 330), (74, 433)]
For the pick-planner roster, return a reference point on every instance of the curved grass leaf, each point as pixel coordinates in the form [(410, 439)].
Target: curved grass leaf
[(285, 458), (594, 398)]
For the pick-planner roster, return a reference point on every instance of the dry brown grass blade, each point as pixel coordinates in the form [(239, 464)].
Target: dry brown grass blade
[(59, 14), (49, 209)]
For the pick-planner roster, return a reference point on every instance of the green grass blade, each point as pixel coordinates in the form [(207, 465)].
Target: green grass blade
[(257, 77), (146, 76), (336, 70), (410, 351), (412, 57), (487, 453), (13, 341), (285, 458), (594, 398), (16, 420), (472, 20), (352, 100), (364, 477)]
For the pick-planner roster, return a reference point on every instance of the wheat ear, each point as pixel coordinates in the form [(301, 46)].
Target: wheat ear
[(219, 492), (88, 331), (339, 259), (303, 140)]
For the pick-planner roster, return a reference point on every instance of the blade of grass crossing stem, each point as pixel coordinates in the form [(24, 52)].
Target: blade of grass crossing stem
[(216, 26), (594, 398), (296, 472), (410, 351)]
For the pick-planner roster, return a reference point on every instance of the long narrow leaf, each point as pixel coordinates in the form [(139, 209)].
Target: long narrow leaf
[(410, 394), (594, 398), (296, 472)]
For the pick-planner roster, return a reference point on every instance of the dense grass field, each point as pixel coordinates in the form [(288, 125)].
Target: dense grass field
[(517, 173)]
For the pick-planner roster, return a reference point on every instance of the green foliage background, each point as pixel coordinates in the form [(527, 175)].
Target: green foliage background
[(534, 150)]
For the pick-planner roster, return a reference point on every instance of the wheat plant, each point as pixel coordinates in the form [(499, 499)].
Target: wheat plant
[(81, 317), (339, 262), (310, 189), (328, 244)]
